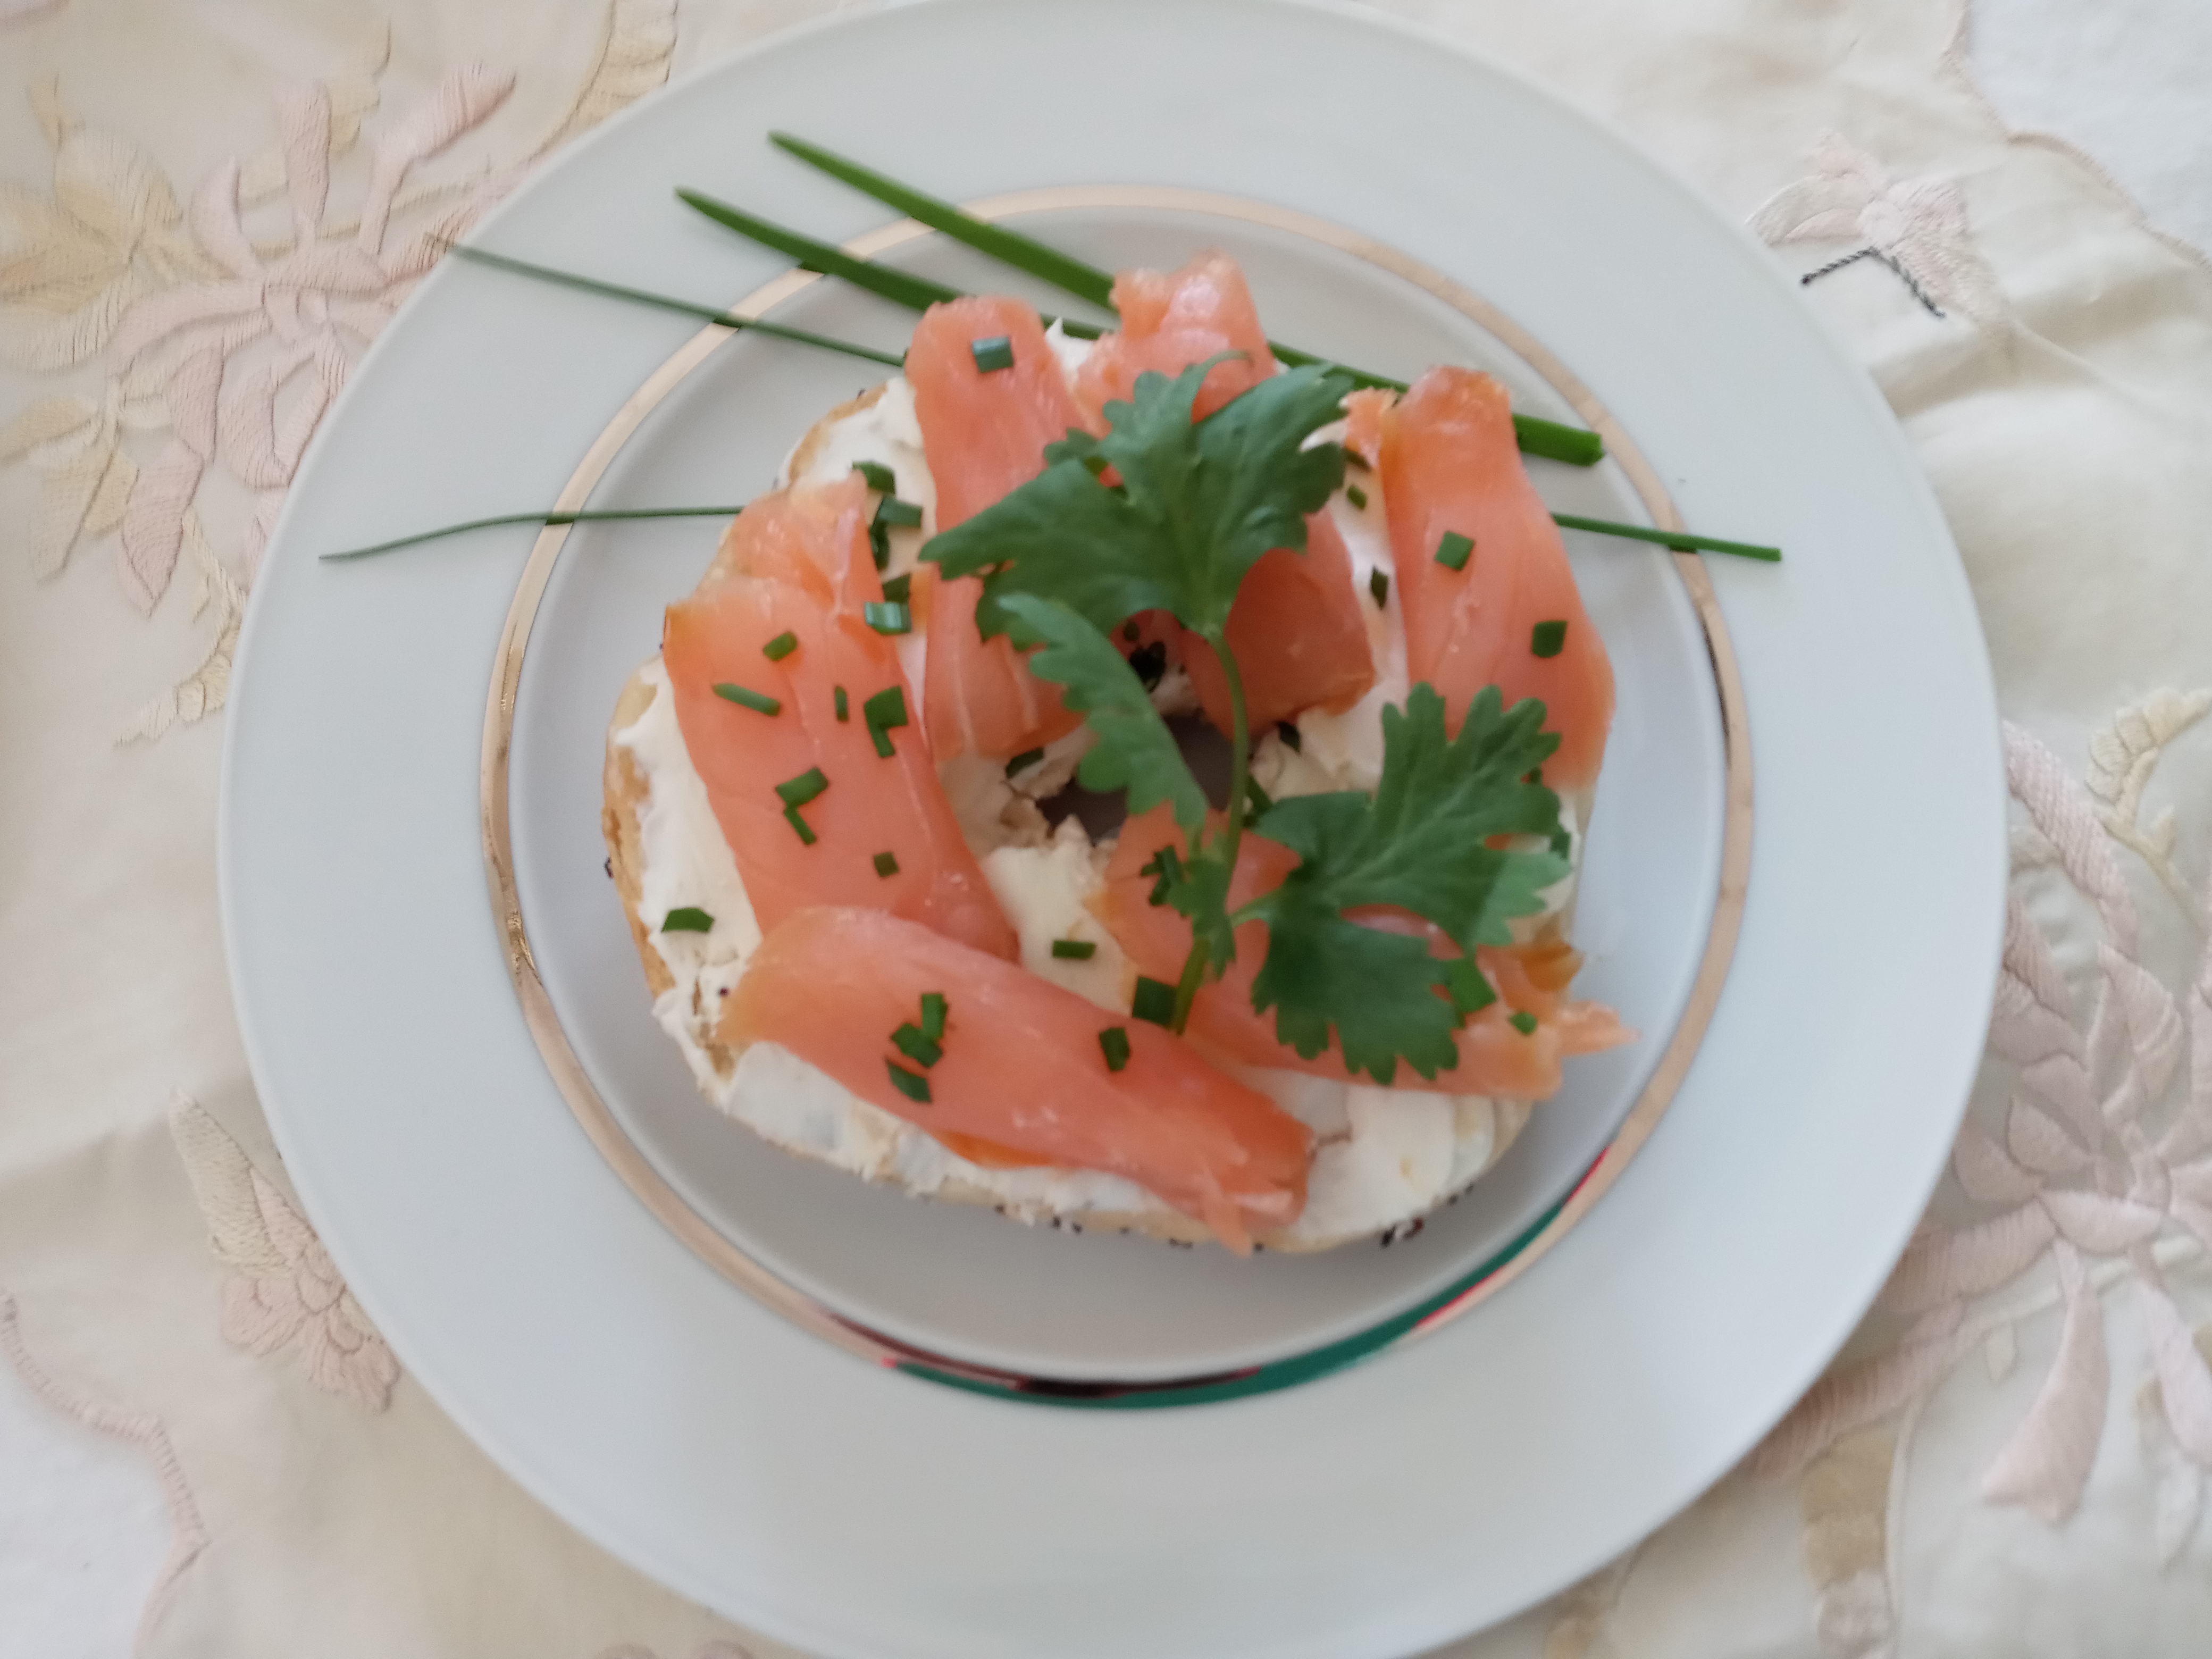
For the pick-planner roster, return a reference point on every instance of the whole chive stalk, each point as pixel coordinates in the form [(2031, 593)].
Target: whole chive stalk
[(916, 293), (748, 698), (1008, 248), (592, 516), (666, 302), (1087, 282), (1680, 540)]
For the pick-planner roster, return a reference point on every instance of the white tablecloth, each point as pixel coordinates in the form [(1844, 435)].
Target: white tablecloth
[(204, 1450)]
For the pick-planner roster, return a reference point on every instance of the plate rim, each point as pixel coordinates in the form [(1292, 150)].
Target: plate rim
[(1853, 382)]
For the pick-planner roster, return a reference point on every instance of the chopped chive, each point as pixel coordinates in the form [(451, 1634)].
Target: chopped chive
[(1154, 1002), (1023, 762), (1355, 460), (932, 1015), (910, 1041), (887, 864), (1524, 1022), (1260, 799), (885, 712), (688, 919), (1356, 496), (781, 647), (879, 476), (1547, 639), (879, 542), (1680, 540), (758, 701), (905, 515), (837, 703), (1165, 867), (1379, 585), (899, 590), (1562, 841), (1129, 632), (1114, 1043), (1073, 949), (1452, 551), (992, 354), (1293, 739), (1467, 987), (797, 792), (889, 617), (800, 827), (913, 1085)]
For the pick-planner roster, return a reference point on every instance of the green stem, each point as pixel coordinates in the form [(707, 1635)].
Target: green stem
[(1240, 773), (1680, 540), (593, 516), (1086, 282), (666, 302)]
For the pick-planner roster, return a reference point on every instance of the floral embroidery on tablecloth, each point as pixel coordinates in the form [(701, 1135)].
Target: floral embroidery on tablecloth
[(188, 1533), (282, 1291), (1916, 227), (223, 340)]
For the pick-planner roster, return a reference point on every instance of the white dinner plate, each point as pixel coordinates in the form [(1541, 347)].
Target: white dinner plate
[(854, 1509)]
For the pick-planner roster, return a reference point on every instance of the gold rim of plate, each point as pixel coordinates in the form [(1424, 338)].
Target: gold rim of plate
[(856, 1337)]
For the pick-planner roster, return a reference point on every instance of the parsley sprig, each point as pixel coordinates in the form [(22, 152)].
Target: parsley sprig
[(1168, 513)]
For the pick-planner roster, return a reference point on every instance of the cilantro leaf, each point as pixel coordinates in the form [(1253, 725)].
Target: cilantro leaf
[(1195, 506), (1200, 892), (1422, 844), (1134, 749)]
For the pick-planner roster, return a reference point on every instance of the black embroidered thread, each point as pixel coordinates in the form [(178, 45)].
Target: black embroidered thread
[(1903, 274)]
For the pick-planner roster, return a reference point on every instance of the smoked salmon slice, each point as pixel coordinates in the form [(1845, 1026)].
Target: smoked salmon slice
[(1297, 628), (1509, 615), (1495, 1058), (1170, 320), (984, 432), (784, 623), (1018, 1065), (1300, 640)]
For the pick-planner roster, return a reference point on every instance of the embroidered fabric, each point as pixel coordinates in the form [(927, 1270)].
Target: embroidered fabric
[(2012, 1455)]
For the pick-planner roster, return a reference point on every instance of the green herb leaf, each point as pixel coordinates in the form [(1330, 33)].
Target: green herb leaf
[(1421, 844), (913, 1085), (1073, 949), (1114, 1043), (1467, 986), (781, 647), (1198, 503), (1133, 748), (687, 919), (759, 702)]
